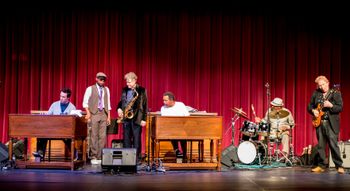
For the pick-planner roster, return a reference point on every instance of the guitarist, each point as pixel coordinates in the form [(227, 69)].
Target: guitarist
[(327, 104)]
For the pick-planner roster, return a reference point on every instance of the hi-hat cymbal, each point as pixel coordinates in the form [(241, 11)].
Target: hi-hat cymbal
[(240, 112), (278, 114)]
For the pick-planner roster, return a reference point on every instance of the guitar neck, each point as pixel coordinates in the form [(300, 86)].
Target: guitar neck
[(326, 97)]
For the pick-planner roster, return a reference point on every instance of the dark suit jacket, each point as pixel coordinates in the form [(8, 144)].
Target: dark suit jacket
[(333, 113), (140, 106)]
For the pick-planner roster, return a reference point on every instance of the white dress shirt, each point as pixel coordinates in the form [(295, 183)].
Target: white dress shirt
[(88, 94), (178, 109)]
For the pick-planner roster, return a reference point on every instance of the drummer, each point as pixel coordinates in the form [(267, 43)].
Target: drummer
[(281, 120)]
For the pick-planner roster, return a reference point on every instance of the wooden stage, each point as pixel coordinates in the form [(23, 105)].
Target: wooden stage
[(91, 178)]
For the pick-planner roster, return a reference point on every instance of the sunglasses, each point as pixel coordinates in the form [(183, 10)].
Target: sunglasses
[(102, 78)]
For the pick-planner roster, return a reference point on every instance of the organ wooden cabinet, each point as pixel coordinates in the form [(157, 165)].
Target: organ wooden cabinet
[(203, 129), (48, 126)]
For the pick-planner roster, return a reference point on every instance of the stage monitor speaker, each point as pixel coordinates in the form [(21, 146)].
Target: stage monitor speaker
[(119, 159), (344, 154), (4, 153), (117, 143), (229, 157)]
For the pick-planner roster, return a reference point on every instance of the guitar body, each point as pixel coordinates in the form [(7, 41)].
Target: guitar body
[(316, 121)]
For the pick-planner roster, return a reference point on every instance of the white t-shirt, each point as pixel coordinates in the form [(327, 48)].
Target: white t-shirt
[(178, 109)]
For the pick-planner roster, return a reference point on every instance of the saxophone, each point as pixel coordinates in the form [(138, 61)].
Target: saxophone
[(128, 113)]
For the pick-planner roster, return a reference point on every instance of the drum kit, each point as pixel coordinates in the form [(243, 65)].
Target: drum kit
[(260, 151)]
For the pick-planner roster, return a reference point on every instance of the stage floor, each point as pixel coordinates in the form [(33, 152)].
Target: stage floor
[(92, 178)]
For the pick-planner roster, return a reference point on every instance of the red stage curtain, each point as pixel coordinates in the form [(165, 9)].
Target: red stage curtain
[(212, 61)]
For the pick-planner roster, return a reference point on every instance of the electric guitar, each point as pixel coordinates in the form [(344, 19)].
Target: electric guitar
[(316, 121)]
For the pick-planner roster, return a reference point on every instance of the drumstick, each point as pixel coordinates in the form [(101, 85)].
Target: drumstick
[(253, 110)]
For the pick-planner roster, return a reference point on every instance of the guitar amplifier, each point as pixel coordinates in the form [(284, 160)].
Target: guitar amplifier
[(344, 148), (119, 159)]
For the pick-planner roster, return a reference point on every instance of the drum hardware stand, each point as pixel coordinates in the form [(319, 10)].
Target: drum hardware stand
[(268, 122), (277, 150), (294, 159), (270, 145), (233, 121), (259, 155)]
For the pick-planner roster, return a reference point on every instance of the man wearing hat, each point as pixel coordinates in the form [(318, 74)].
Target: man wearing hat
[(281, 121), (97, 105)]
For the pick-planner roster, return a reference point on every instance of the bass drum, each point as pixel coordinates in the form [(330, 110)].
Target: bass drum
[(249, 152)]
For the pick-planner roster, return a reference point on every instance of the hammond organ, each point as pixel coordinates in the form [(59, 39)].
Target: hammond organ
[(197, 127)]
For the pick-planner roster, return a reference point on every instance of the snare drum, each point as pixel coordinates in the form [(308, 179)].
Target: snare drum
[(274, 136), (249, 128), (252, 152)]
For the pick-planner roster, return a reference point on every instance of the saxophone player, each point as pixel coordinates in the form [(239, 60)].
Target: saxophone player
[(132, 111)]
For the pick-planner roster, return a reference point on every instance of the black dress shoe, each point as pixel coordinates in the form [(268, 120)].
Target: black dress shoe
[(39, 155), (178, 154)]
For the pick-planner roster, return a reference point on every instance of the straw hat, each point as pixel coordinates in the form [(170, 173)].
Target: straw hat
[(278, 102)]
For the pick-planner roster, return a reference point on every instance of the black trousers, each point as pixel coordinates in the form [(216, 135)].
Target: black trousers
[(183, 145), (41, 144), (325, 135), (132, 136)]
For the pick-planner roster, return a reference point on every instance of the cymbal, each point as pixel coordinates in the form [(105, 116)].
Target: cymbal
[(278, 114), (240, 112)]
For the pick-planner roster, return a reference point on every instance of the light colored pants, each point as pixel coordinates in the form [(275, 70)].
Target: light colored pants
[(98, 134), (284, 137)]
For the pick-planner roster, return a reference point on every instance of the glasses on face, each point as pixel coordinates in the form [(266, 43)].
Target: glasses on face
[(102, 79)]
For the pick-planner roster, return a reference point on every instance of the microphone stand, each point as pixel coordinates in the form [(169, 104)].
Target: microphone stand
[(148, 168), (234, 119), (268, 93)]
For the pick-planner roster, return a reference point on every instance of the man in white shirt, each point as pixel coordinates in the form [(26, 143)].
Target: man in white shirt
[(174, 108), (97, 104)]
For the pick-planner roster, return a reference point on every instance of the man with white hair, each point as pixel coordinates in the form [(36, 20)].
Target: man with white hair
[(132, 110), (281, 121), (326, 104)]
